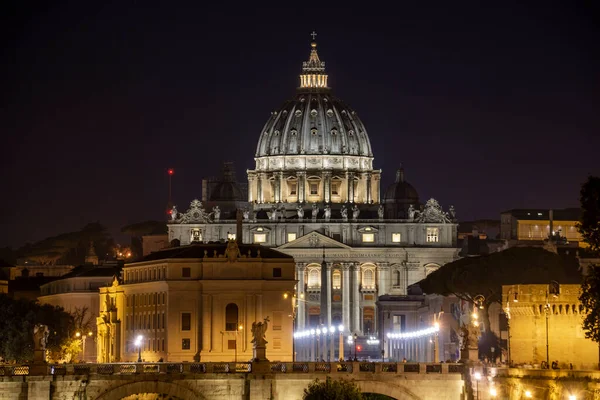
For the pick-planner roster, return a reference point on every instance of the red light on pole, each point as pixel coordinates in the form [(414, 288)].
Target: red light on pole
[(171, 171)]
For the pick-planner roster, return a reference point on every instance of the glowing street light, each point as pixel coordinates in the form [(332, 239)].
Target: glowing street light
[(138, 343), (528, 394), (493, 392), (477, 376)]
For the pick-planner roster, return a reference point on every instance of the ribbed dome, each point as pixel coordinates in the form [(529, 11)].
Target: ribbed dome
[(314, 123), (227, 191), (401, 191)]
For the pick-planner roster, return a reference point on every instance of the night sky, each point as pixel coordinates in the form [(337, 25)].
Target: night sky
[(487, 109)]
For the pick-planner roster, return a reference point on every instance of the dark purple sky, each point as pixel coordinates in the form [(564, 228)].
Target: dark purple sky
[(487, 108)]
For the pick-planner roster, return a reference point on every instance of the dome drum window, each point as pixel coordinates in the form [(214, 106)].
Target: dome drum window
[(298, 113), (314, 131), (293, 131), (330, 113), (313, 113)]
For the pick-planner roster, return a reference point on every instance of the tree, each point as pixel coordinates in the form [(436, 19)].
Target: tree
[(484, 276), (17, 319), (589, 228), (332, 390), (589, 221)]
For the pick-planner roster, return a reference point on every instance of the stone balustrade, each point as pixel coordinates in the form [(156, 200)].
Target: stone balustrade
[(352, 367)]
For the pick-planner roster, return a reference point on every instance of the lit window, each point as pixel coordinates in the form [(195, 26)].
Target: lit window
[(260, 237), (368, 280), (335, 188), (291, 237), (368, 237), (185, 344), (314, 188), (230, 236), (196, 235), (336, 279), (433, 235), (396, 237), (313, 278)]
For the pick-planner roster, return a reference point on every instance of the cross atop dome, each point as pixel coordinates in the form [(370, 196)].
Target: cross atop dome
[(313, 70)]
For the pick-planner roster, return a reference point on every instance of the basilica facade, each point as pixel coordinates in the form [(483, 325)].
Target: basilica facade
[(315, 195)]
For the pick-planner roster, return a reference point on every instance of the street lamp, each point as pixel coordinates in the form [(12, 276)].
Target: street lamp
[(138, 343), (477, 376), (355, 338), (528, 394), (493, 392), (83, 338), (239, 328)]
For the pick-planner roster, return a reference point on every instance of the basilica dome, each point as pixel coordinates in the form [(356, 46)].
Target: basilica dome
[(314, 122)]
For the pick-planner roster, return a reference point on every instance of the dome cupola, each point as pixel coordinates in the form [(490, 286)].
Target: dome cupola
[(314, 148)]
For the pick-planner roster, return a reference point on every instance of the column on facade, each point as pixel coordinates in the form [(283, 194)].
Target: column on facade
[(368, 182), (301, 312), (301, 175), (346, 296), (355, 298), (277, 187), (259, 191), (325, 293), (350, 180), (206, 322), (327, 186), (251, 187)]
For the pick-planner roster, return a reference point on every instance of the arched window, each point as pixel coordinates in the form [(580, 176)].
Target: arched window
[(368, 279), (336, 279), (231, 317), (314, 279), (397, 276)]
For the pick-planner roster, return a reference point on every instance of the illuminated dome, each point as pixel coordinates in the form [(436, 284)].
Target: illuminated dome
[(314, 122), (313, 149)]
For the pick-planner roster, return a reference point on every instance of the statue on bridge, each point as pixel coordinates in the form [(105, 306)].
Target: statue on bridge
[(259, 329), (40, 336), (40, 341)]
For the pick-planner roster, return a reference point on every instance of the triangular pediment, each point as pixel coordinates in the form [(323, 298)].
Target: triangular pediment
[(313, 240)]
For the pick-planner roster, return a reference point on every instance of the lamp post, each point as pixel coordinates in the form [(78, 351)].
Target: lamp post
[(238, 328), (138, 343), (83, 338), (477, 376), (355, 337)]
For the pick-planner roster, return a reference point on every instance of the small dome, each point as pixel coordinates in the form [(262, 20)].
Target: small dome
[(401, 191), (227, 191)]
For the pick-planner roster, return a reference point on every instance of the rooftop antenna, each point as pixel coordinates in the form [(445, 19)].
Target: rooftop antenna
[(170, 172)]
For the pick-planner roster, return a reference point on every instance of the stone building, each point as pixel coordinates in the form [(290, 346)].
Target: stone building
[(77, 291), (548, 315), (198, 302), (315, 194), (528, 226)]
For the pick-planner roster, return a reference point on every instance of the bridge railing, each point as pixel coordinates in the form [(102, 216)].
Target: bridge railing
[(343, 367)]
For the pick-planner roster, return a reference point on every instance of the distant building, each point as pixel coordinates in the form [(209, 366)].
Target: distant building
[(78, 290), (482, 228), (152, 243), (536, 225), (532, 326), (198, 302)]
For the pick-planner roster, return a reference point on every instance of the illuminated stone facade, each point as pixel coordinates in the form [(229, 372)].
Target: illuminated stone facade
[(566, 339), (198, 302), (315, 195)]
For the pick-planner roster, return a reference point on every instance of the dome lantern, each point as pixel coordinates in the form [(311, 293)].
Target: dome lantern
[(313, 71)]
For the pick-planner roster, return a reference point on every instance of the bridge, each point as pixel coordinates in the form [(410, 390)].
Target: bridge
[(217, 381)]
